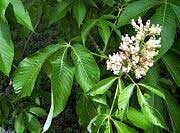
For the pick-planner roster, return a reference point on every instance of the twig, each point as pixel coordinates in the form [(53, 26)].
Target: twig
[(29, 38)]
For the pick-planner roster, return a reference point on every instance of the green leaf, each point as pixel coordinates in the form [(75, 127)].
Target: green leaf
[(33, 124), (61, 76), (21, 14), (59, 11), (165, 17), (6, 48), (154, 90), (172, 63), (87, 26), (19, 123), (79, 11), (3, 5), (102, 86), (87, 72), (174, 112), (150, 113), (38, 111), (104, 31), (123, 99), (28, 69), (61, 80), (122, 128), (176, 10), (135, 9), (138, 119), (85, 110), (96, 123)]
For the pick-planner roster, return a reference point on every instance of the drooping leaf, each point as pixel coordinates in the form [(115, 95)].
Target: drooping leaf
[(138, 119), (28, 69), (79, 11), (21, 14), (19, 123), (123, 99), (88, 25), (122, 128), (172, 64), (87, 72), (134, 9), (176, 10), (96, 123), (150, 113), (38, 111), (59, 11), (166, 18), (154, 90), (104, 31), (85, 110), (61, 79), (6, 48), (102, 86), (61, 76)]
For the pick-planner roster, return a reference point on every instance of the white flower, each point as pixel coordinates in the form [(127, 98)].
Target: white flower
[(136, 52)]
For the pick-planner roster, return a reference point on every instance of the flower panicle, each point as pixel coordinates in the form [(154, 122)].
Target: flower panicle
[(137, 52)]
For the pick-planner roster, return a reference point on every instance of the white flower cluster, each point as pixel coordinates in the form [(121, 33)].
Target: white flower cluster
[(136, 52)]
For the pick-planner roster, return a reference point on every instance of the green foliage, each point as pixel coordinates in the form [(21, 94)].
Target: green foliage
[(82, 33)]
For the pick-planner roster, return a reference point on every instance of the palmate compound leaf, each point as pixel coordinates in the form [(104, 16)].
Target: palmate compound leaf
[(21, 14), (134, 9), (123, 99), (62, 75), (28, 69), (150, 113), (6, 48), (165, 17), (102, 86), (87, 72)]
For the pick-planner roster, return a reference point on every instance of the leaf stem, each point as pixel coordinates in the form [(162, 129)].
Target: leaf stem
[(131, 79), (115, 96), (102, 56)]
